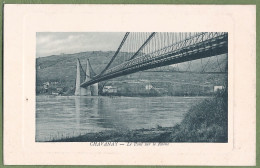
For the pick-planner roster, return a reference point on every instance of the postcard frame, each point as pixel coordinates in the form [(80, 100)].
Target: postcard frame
[(130, 2)]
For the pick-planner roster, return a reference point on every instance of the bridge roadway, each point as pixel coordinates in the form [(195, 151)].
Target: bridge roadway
[(184, 51)]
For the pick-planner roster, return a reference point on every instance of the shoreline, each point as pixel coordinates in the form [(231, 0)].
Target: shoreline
[(206, 96), (137, 135), (204, 122)]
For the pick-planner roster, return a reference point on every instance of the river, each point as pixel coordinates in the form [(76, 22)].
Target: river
[(62, 116)]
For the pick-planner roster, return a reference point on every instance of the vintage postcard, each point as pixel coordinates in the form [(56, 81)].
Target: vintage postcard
[(151, 89), (129, 85)]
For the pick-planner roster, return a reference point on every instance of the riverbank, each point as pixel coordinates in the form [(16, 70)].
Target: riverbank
[(204, 122)]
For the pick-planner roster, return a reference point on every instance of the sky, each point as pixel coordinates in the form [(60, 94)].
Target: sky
[(55, 43)]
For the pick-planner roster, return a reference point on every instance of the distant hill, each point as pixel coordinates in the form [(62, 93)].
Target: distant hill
[(62, 68)]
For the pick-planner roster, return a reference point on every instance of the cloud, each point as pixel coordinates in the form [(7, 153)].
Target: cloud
[(55, 43)]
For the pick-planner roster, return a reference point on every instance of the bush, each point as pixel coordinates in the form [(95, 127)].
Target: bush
[(205, 122)]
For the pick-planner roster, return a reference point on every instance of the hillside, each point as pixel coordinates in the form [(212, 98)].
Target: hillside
[(61, 70)]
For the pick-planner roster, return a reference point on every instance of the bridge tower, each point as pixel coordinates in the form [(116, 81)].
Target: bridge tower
[(89, 73), (77, 90), (80, 91), (94, 87), (90, 90)]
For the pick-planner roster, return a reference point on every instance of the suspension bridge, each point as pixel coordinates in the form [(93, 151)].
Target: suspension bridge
[(142, 51)]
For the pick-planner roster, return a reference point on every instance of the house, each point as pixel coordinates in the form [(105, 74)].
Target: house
[(59, 90), (46, 85), (54, 83), (109, 89), (148, 87), (55, 93), (218, 88)]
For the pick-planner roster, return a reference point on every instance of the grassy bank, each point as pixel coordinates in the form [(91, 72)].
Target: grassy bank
[(204, 122)]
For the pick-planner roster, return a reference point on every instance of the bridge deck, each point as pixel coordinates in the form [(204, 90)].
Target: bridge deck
[(207, 48)]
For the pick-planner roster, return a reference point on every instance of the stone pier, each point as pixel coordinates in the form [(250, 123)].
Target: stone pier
[(82, 91)]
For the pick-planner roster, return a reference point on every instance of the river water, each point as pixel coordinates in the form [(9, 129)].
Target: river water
[(61, 116)]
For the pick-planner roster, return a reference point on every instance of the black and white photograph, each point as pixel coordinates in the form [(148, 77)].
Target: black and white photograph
[(131, 87), (129, 84)]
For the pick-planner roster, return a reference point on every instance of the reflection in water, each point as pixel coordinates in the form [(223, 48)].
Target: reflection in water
[(70, 116), (77, 107)]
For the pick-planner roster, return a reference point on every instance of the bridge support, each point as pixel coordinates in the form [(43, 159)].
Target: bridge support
[(94, 89), (82, 91), (77, 90)]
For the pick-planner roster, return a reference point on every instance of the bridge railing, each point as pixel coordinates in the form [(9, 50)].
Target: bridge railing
[(200, 46), (187, 43)]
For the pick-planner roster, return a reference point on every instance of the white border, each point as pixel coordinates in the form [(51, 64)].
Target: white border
[(21, 22)]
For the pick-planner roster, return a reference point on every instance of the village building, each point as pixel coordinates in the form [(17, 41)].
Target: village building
[(109, 89), (218, 88)]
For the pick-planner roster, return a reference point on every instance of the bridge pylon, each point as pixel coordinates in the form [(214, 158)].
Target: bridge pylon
[(77, 90), (91, 90)]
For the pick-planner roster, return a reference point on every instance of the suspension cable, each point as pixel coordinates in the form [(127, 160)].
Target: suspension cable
[(116, 53), (144, 44), (219, 65)]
